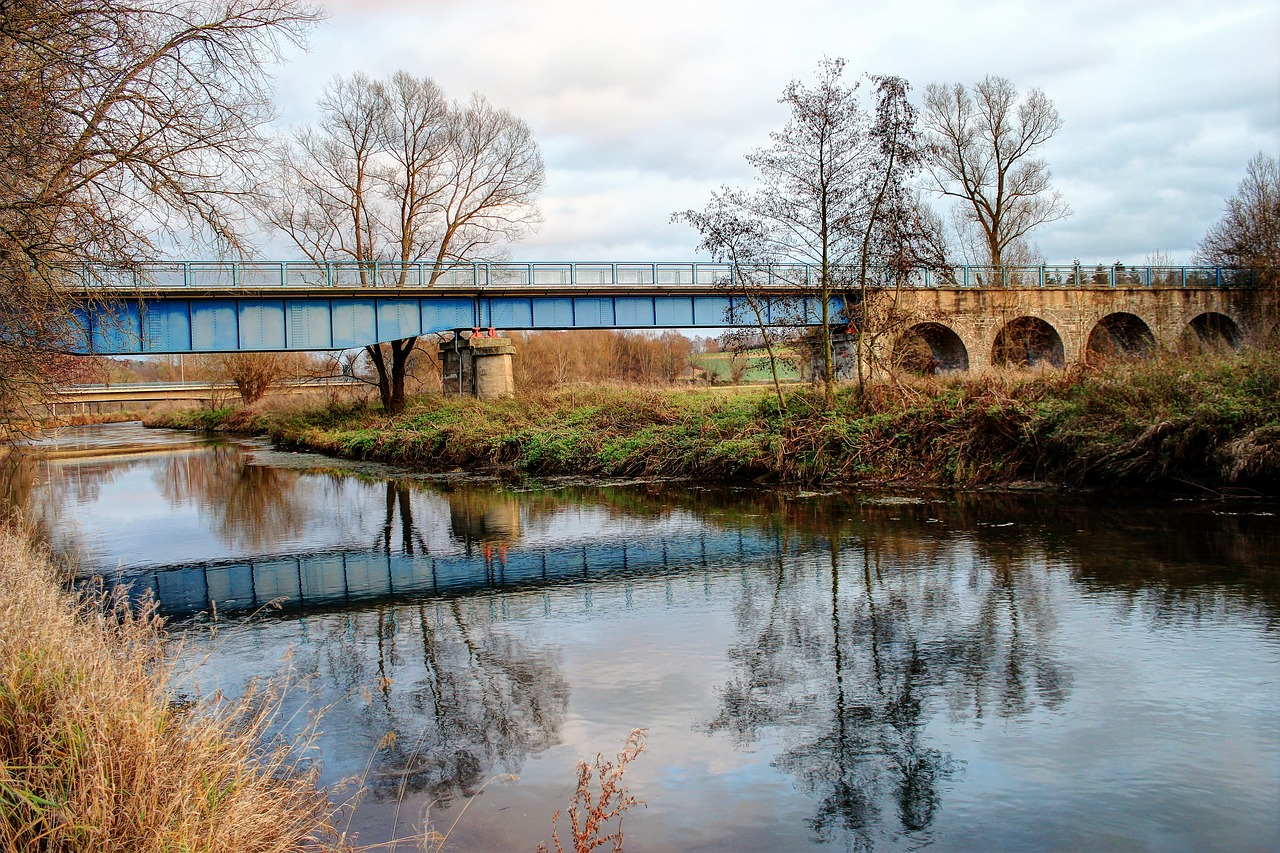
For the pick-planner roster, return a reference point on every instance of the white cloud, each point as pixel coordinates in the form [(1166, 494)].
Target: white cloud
[(644, 107)]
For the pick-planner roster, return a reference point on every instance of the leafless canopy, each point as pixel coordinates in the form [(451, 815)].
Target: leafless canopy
[(832, 192), (1248, 235), (125, 121), (983, 146), (396, 172)]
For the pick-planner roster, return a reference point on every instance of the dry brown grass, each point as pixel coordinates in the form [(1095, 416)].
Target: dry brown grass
[(97, 754), (591, 814)]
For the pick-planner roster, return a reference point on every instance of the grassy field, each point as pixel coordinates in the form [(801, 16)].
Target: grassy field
[(754, 366), (1169, 423)]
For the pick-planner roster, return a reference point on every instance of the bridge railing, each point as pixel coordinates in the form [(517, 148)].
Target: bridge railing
[(344, 275)]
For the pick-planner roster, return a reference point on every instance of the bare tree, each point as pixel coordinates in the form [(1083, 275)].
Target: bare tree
[(900, 235), (834, 193), (1248, 235), (396, 173), (125, 121), (809, 199), (254, 373), (729, 235), (983, 145)]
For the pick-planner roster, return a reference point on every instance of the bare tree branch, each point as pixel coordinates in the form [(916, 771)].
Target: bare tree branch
[(126, 121), (982, 145), (1248, 235), (396, 173)]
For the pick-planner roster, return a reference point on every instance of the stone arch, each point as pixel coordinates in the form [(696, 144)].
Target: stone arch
[(1211, 331), (930, 348), (1120, 335), (1028, 342)]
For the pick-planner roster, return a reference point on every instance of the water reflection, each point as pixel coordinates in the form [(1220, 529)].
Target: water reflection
[(339, 577), (852, 665), (450, 698), (850, 659), (250, 506)]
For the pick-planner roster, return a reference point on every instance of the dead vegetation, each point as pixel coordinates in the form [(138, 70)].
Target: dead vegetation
[(592, 812), (1168, 423), (97, 751)]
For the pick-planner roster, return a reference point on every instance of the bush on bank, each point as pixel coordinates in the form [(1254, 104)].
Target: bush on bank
[(97, 754), (1211, 421)]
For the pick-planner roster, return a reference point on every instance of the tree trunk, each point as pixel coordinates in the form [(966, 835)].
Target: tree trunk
[(391, 377)]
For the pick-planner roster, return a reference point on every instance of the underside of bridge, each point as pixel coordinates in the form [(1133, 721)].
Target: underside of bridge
[(1028, 342), (1120, 336), (930, 348), (1211, 331)]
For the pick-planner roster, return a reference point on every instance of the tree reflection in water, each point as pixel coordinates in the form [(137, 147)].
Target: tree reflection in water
[(864, 631), (460, 697), (252, 506), (860, 637)]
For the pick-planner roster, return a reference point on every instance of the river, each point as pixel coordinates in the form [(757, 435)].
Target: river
[(994, 672)]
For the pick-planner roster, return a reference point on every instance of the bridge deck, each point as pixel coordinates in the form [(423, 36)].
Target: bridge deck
[(215, 306), (638, 276)]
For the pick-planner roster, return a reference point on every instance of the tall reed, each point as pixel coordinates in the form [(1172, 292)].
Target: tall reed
[(97, 753)]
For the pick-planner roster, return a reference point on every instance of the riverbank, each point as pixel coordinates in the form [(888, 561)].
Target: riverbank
[(98, 751), (1210, 423)]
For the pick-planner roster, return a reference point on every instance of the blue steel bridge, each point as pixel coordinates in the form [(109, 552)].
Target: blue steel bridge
[(224, 306)]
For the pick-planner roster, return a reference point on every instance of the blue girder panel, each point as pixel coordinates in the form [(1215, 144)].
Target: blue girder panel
[(673, 311), (633, 311), (309, 324), (553, 312), (167, 326), (317, 321), (354, 323), (115, 328), (440, 314), (398, 318), (214, 325), (593, 312), (508, 313), (262, 324)]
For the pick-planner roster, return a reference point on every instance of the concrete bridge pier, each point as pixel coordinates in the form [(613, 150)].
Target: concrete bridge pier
[(478, 366)]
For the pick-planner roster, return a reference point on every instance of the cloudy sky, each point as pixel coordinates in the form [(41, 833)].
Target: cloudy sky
[(643, 107)]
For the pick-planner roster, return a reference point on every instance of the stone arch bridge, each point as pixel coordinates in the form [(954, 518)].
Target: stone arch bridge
[(958, 329)]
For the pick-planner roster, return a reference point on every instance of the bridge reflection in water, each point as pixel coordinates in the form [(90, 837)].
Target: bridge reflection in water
[(338, 576)]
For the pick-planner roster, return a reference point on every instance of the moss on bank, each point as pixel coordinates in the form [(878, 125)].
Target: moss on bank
[(1207, 422)]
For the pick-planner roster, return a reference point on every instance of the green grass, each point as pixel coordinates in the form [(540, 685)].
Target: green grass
[(755, 364), (1212, 422)]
